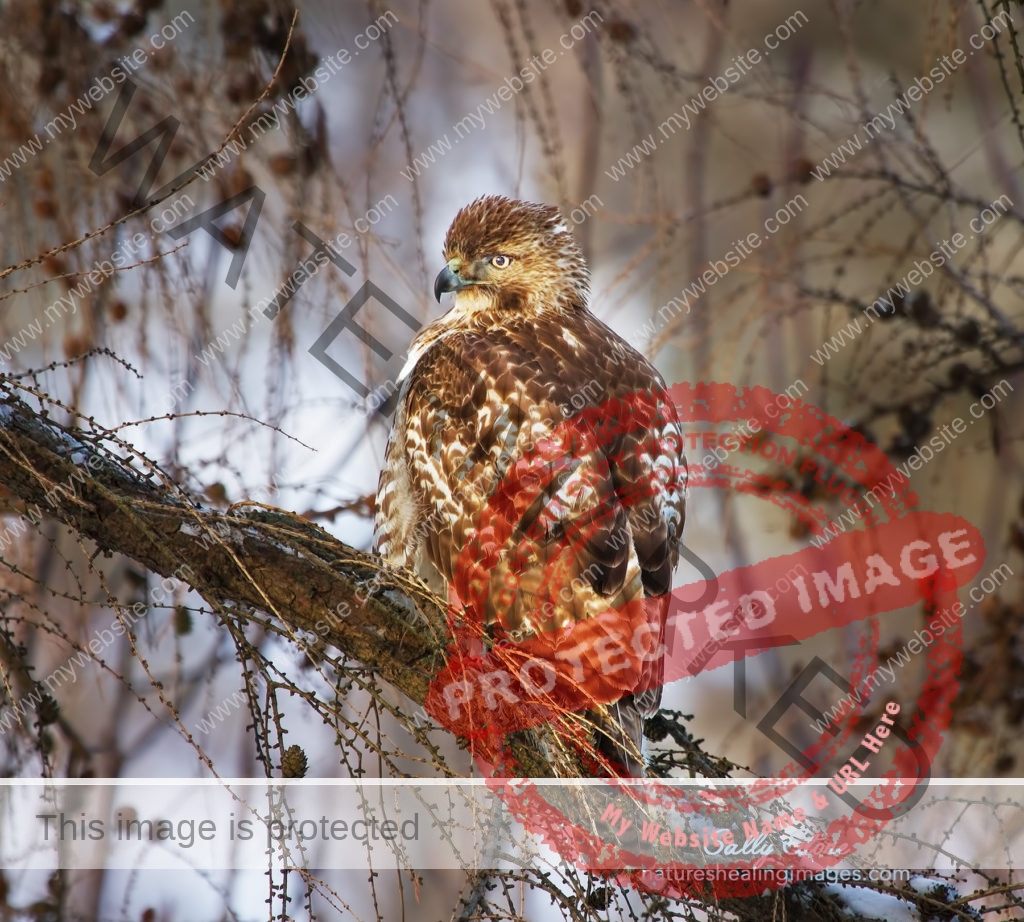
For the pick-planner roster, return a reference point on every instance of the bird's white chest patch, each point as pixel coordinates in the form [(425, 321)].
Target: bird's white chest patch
[(419, 345), (468, 303)]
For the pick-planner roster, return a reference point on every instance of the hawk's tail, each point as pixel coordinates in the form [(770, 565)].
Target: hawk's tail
[(620, 725), (619, 737)]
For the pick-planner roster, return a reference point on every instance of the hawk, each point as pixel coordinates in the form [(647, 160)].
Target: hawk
[(519, 377)]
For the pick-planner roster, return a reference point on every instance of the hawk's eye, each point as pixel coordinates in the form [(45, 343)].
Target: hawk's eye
[(501, 262)]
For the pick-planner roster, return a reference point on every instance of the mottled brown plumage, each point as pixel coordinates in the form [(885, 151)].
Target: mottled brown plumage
[(518, 358)]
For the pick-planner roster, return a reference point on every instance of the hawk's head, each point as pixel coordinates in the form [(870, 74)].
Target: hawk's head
[(515, 254)]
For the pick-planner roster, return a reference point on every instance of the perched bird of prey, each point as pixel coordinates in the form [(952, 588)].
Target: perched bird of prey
[(520, 369)]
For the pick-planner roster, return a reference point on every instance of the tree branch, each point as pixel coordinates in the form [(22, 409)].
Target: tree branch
[(251, 560)]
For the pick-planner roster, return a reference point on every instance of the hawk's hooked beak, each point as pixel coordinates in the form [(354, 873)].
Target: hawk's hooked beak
[(447, 280)]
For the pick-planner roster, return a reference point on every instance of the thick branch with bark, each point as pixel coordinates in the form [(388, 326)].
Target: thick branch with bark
[(253, 560), (240, 560)]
